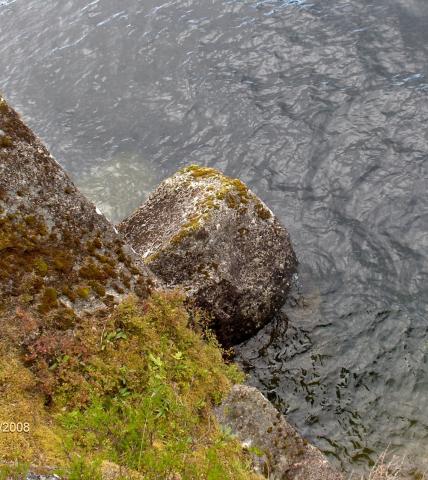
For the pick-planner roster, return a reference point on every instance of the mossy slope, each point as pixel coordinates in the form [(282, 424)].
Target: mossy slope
[(140, 392)]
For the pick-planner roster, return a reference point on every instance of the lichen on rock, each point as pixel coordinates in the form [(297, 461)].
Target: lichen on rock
[(210, 235)]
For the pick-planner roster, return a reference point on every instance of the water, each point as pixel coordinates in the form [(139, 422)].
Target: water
[(322, 108)]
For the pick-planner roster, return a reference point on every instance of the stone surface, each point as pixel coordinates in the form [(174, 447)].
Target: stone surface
[(210, 235), (280, 453), (57, 251), (36, 476)]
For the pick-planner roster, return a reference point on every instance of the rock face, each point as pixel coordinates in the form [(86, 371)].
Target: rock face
[(60, 260), (211, 236), (57, 251), (278, 450)]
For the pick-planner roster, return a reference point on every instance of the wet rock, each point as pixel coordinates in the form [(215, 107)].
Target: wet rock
[(211, 236), (279, 452)]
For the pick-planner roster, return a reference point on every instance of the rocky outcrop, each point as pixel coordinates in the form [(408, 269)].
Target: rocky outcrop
[(61, 260), (57, 251), (279, 452), (211, 236)]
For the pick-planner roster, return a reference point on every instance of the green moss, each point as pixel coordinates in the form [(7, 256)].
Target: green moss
[(234, 193), (148, 390), (187, 229), (83, 292), (198, 172), (40, 266)]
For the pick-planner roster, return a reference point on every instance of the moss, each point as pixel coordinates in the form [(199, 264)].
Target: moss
[(62, 318), (49, 300), (234, 193), (69, 293), (198, 172), (93, 245), (6, 141), (92, 271), (97, 287), (261, 211), (3, 106), (63, 261), (187, 229), (136, 387), (83, 292), (3, 194), (105, 259), (40, 266), (126, 279)]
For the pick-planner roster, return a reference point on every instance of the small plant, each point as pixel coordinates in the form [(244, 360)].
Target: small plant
[(14, 471)]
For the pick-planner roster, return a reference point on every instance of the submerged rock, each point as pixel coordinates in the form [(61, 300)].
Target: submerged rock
[(279, 452), (211, 236)]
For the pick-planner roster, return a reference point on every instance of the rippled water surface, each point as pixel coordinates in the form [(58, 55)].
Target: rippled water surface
[(322, 107)]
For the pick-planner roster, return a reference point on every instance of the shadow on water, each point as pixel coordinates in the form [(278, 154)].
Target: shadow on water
[(322, 108)]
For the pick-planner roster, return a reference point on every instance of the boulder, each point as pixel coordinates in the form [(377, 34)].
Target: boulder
[(209, 235), (279, 452)]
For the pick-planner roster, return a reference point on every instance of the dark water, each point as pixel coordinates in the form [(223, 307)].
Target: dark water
[(322, 107)]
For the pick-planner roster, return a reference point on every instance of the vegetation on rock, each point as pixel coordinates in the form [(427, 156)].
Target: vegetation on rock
[(135, 387)]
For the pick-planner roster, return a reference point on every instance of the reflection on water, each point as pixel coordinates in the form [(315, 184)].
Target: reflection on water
[(322, 107)]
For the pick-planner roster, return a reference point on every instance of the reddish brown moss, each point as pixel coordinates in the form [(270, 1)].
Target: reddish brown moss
[(49, 300), (97, 288), (91, 271), (262, 211), (6, 142), (63, 261)]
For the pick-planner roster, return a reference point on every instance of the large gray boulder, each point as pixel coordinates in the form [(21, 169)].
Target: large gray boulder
[(211, 236), (278, 450)]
